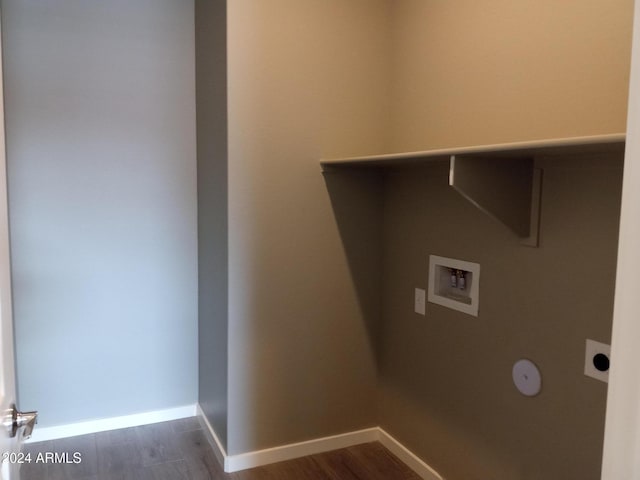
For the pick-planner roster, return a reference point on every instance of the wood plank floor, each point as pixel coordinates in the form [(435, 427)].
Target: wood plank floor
[(179, 450)]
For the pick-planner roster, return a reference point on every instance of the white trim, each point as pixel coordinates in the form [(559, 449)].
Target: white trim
[(113, 423), (218, 449), (541, 146), (258, 458), (620, 459), (234, 463), (409, 458), (243, 461)]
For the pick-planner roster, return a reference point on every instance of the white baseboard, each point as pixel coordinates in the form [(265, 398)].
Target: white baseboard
[(407, 457), (113, 423), (235, 463), (218, 448), (243, 461)]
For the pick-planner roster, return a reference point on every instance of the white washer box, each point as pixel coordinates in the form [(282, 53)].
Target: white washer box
[(461, 295)]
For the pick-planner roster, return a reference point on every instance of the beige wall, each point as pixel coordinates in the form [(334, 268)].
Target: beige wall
[(469, 72), (306, 80), (445, 378), (323, 79)]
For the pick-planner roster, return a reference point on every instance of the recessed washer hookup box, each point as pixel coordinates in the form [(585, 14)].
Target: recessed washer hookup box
[(454, 284)]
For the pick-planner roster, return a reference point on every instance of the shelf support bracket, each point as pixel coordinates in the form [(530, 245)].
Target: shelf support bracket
[(507, 189)]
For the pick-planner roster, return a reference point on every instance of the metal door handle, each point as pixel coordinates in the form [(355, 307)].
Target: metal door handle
[(14, 420)]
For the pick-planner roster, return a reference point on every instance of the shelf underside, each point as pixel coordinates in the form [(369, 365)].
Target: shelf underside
[(613, 143)]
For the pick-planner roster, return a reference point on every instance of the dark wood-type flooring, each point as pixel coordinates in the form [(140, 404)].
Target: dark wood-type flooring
[(179, 450)]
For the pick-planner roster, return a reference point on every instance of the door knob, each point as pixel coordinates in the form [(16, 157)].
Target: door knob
[(14, 420)]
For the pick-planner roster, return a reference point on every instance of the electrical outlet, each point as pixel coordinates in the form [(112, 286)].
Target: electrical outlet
[(419, 301), (596, 360)]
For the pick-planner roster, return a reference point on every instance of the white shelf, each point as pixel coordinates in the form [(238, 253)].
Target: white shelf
[(557, 146), (487, 174)]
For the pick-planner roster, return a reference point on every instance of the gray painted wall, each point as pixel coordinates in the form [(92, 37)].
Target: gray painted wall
[(211, 100), (445, 378), (102, 175)]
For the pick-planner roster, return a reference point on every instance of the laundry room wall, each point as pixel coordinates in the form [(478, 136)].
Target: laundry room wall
[(100, 122)]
